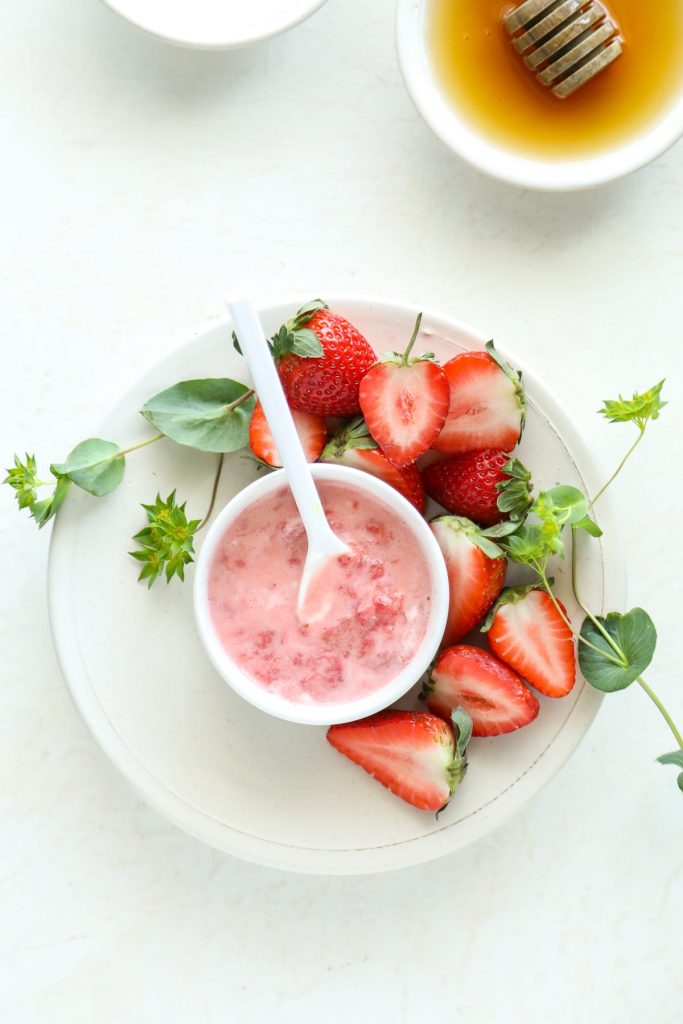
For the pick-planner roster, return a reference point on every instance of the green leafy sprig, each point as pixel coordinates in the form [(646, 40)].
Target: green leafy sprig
[(294, 337), (614, 649), (166, 544)]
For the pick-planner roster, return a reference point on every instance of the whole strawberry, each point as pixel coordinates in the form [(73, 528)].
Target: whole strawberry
[(486, 486), (321, 359), (353, 446)]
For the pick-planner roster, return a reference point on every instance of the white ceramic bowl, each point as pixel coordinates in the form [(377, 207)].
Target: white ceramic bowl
[(323, 714), (497, 161), (214, 24)]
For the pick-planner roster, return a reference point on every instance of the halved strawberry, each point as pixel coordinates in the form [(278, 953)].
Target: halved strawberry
[(405, 401), (487, 404), (476, 573), (486, 486), (353, 446), (321, 360), (414, 754), (494, 696), (527, 631), (311, 430)]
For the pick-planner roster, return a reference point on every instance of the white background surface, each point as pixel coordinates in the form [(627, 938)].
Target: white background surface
[(140, 184)]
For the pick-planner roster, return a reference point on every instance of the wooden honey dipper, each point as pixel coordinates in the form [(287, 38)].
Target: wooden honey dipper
[(566, 43)]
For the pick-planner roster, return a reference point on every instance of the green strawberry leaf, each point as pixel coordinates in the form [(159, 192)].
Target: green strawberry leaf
[(462, 724), (96, 466), (210, 415), (568, 503), (635, 637), (515, 494)]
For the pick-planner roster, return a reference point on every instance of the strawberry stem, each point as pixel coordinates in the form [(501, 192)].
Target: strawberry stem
[(589, 614), (619, 660), (665, 714), (214, 491), (416, 331), (619, 468), (239, 401)]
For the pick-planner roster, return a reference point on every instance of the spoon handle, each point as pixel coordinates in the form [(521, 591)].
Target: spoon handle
[(272, 398)]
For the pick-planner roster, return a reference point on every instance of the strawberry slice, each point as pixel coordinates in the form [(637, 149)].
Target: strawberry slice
[(527, 631), (493, 695), (416, 755), (311, 430), (486, 486), (353, 446), (476, 573), (487, 404), (405, 402)]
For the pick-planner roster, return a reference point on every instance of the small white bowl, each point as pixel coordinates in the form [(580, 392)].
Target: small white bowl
[(323, 714), (497, 161), (214, 24)]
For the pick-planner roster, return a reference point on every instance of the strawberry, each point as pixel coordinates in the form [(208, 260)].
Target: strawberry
[(493, 695), (311, 430), (476, 573), (321, 359), (527, 631), (405, 401), (414, 754), (486, 486), (353, 446), (487, 404)]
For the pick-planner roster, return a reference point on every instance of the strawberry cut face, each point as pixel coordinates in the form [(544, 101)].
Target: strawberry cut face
[(530, 635), (412, 753), (495, 697), (405, 407), (486, 406)]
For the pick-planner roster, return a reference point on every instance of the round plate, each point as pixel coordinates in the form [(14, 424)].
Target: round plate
[(262, 789), (214, 24)]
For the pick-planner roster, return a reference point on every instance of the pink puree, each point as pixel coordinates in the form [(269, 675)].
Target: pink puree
[(370, 609)]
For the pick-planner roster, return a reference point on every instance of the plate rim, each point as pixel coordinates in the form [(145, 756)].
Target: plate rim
[(313, 860)]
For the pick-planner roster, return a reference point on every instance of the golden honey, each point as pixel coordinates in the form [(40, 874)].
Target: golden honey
[(489, 84)]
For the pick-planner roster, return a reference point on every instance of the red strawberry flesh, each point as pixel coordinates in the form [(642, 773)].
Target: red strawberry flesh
[(311, 430), (475, 579), (495, 697), (485, 411), (530, 635), (412, 753)]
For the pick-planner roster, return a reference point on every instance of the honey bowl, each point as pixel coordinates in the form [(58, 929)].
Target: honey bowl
[(470, 85)]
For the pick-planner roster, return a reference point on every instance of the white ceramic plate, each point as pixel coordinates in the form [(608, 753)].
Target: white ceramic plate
[(214, 24), (251, 785)]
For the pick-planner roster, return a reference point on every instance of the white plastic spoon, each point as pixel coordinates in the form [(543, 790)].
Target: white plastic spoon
[(323, 543)]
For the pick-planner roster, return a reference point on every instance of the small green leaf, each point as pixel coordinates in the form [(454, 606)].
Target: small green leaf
[(43, 511), (676, 759), (514, 494), (569, 504), (501, 529), (634, 635), (94, 465), (589, 526), (462, 723), (639, 409), (306, 344), (209, 415), (354, 436)]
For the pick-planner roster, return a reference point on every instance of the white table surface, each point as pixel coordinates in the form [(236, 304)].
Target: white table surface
[(140, 183)]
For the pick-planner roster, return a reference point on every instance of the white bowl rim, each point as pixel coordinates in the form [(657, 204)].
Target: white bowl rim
[(504, 164), (323, 714), (217, 42)]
